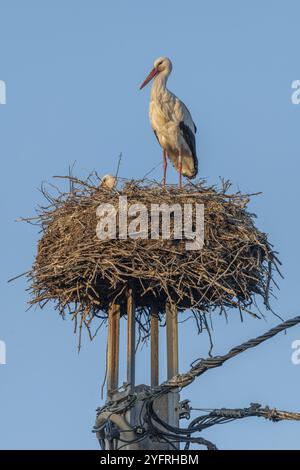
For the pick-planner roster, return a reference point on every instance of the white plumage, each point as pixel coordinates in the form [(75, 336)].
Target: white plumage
[(172, 122), (108, 182)]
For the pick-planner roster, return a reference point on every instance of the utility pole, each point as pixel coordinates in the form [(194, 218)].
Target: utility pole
[(167, 407)]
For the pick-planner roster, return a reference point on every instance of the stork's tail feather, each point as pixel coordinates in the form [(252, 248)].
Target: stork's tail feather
[(193, 169), (189, 165)]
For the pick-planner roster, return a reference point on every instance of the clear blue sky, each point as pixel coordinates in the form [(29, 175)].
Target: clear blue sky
[(72, 70)]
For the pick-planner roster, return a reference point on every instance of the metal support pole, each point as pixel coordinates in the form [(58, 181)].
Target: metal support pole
[(154, 334), (167, 407), (172, 362), (130, 340), (113, 348), (172, 340)]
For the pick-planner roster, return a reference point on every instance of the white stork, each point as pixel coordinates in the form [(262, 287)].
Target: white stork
[(108, 182), (172, 123)]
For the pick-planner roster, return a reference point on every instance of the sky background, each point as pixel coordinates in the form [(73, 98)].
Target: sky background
[(72, 70)]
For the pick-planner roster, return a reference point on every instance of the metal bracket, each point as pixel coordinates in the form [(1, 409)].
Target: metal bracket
[(184, 409)]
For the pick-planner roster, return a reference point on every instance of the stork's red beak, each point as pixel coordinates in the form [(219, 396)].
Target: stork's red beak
[(150, 76)]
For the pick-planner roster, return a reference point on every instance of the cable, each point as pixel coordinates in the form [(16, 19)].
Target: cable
[(182, 380)]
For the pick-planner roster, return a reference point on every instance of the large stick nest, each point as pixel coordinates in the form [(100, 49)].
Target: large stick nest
[(83, 274)]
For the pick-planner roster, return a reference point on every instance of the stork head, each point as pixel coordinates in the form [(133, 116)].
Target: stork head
[(162, 65), (108, 182)]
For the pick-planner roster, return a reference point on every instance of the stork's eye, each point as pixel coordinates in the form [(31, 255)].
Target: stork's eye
[(159, 63)]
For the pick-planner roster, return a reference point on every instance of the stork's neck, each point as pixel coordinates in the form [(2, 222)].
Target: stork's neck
[(159, 85)]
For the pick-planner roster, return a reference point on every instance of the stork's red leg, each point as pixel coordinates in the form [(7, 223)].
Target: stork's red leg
[(180, 172), (165, 166)]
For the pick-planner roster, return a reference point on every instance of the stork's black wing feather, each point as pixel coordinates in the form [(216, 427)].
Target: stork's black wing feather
[(189, 137)]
